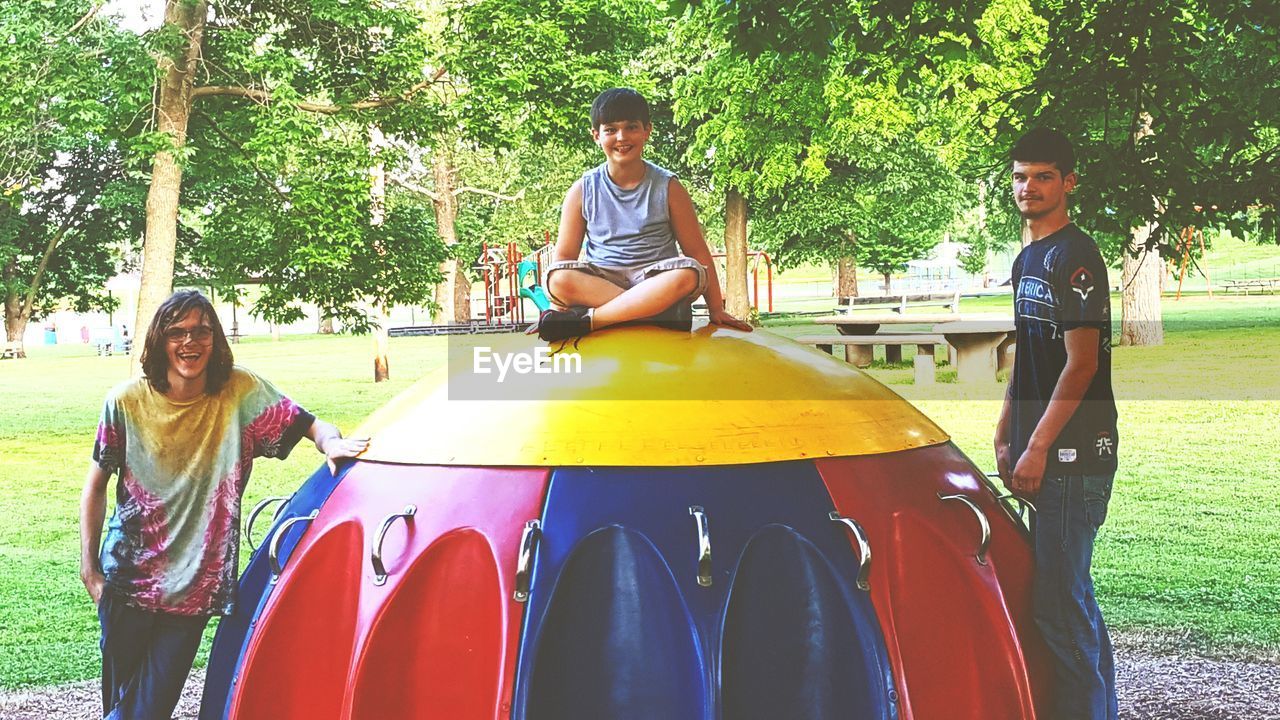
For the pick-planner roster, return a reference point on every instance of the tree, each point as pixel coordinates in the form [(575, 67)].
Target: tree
[(892, 209), (751, 121), (243, 63), (66, 205), (300, 219), (66, 242)]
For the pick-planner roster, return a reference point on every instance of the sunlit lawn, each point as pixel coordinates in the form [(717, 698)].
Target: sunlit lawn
[(1189, 548)]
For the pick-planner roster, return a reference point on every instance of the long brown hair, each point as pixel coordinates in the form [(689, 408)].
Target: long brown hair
[(155, 358)]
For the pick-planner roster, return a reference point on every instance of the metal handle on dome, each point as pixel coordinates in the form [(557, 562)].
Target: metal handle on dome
[(273, 549), (982, 521), (257, 510), (704, 545), (375, 557), (524, 563), (864, 548), (1019, 515), (1023, 502)]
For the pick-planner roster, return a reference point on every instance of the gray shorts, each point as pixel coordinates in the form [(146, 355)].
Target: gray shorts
[(630, 276)]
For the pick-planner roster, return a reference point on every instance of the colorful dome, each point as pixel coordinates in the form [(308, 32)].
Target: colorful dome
[(681, 525)]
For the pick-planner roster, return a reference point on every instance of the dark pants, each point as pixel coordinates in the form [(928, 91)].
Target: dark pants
[(146, 657), (1070, 509)]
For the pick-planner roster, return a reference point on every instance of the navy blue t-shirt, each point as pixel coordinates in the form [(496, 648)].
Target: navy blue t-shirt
[(1060, 283)]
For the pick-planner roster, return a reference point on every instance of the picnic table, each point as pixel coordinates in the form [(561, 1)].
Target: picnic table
[(865, 323), (980, 341), (1261, 285)]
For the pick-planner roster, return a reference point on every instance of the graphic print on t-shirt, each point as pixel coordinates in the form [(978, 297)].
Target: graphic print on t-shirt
[(1036, 303), (1082, 283)]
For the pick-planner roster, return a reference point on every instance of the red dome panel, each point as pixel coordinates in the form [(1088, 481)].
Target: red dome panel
[(959, 632)]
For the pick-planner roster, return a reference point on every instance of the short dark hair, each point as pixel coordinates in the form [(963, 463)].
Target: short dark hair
[(1045, 145), (155, 358), (619, 104)]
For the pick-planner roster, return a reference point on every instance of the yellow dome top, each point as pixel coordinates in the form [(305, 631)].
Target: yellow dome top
[(642, 396)]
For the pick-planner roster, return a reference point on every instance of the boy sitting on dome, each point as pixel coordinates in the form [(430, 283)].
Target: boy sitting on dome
[(644, 251)]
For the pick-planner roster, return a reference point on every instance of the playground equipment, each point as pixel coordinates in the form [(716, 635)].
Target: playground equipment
[(694, 526), (755, 258), (505, 271), (1186, 238)]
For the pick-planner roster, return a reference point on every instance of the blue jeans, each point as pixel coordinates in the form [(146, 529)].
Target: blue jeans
[(146, 657), (1070, 509)]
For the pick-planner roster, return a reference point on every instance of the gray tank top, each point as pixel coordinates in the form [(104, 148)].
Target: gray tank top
[(627, 227)]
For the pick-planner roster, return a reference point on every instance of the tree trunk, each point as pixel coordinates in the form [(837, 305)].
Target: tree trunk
[(326, 325), (453, 294), (15, 322), (381, 363), (887, 278), (172, 113), (17, 309), (1141, 322), (378, 214), (847, 277), (735, 251)]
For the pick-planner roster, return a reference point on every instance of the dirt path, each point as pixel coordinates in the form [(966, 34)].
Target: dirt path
[(1151, 687)]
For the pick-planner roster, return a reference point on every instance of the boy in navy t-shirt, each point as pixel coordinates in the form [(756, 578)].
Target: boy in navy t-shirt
[(629, 220), (1056, 440)]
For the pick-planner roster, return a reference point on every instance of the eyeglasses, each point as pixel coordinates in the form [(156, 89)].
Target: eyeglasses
[(199, 334)]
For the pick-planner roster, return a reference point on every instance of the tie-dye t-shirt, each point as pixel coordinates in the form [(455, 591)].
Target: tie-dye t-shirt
[(172, 543)]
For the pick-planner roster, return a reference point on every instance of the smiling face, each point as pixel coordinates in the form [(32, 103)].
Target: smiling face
[(189, 345), (623, 140), (1040, 190)]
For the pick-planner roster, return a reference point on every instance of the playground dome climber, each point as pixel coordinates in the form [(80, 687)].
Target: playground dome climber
[(703, 525)]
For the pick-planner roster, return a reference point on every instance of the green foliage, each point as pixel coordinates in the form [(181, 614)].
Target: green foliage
[(751, 118), (891, 27), (84, 203), (71, 89), (296, 217), (1208, 78), (892, 209), (540, 174), (527, 71)]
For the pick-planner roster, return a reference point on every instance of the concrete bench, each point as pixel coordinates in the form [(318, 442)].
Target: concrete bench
[(858, 349)]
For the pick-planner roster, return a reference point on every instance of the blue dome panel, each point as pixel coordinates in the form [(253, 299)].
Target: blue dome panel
[(600, 656), (785, 647)]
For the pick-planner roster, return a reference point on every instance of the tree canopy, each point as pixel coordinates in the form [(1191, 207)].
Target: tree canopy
[(828, 131)]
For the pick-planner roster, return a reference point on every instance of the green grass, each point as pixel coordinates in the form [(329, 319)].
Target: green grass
[(51, 403), (1189, 549)]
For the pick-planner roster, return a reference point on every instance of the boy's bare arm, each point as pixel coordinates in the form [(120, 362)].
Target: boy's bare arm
[(572, 226), (684, 223), (1082, 365)]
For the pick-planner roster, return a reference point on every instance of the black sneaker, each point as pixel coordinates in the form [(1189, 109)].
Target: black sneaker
[(556, 325)]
